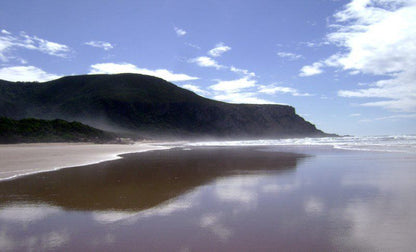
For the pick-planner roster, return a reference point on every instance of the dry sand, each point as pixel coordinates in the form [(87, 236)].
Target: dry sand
[(23, 159)]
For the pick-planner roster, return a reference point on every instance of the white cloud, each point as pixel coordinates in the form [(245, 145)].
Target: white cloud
[(242, 97), (272, 89), (238, 91), (180, 32), (5, 32), (100, 44), (233, 85), (26, 73), (315, 68), (289, 55), (114, 68), (243, 90), (195, 89), (219, 49), (204, 61), (376, 37), (52, 48), (242, 71), (10, 42)]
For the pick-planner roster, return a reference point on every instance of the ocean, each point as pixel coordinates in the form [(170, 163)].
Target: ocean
[(402, 143)]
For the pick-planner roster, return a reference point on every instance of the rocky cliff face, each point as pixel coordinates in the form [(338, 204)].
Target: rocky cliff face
[(147, 105)]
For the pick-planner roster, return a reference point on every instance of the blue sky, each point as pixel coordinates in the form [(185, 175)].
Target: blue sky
[(346, 66)]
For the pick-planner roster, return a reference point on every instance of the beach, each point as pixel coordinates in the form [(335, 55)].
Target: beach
[(23, 159), (206, 197)]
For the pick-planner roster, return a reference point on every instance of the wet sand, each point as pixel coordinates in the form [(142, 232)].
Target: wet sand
[(141, 181), (217, 199), (22, 159)]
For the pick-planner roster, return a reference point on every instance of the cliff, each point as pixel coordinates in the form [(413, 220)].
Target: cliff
[(147, 105)]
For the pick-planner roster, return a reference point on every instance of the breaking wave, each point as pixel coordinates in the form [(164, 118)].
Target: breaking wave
[(402, 143)]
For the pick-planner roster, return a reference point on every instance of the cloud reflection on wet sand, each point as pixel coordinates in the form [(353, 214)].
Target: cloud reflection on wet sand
[(264, 201)]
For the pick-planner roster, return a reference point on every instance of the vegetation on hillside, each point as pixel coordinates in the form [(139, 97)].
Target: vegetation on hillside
[(36, 130)]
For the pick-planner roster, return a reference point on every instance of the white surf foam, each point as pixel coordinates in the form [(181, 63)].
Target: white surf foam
[(403, 143)]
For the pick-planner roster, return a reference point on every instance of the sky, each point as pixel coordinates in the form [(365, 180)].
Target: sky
[(348, 66)]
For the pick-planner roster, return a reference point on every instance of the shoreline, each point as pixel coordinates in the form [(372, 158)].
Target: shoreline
[(17, 160), (23, 159)]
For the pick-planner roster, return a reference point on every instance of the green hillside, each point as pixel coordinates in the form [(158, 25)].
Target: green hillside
[(35, 130)]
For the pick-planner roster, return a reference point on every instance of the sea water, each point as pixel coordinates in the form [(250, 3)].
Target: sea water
[(398, 143)]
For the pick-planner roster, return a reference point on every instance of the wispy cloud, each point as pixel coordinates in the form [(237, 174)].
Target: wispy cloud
[(196, 89), (193, 46), (179, 32), (205, 61), (233, 85), (376, 37), (219, 50), (242, 71), (273, 89), (242, 97), (10, 42), (26, 73), (100, 44), (289, 55), (391, 118), (314, 43), (113, 68)]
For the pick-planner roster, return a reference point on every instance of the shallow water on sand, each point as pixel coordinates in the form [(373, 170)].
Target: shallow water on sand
[(263, 198)]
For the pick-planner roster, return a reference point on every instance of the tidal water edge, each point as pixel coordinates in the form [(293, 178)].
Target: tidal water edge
[(262, 198)]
